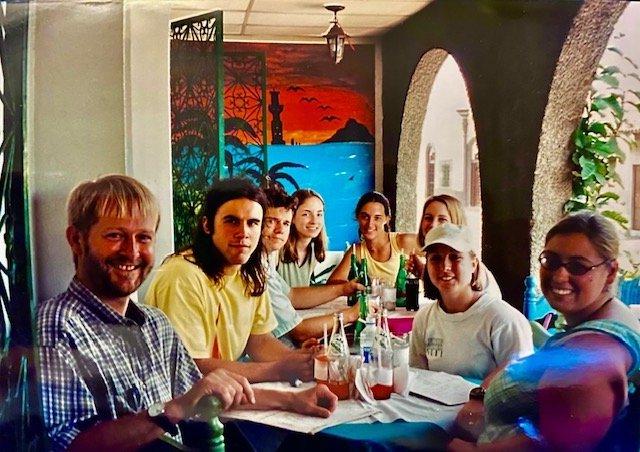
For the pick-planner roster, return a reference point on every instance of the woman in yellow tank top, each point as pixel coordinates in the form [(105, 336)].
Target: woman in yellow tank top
[(380, 247)]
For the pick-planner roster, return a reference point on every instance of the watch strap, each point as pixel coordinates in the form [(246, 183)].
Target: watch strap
[(162, 421)]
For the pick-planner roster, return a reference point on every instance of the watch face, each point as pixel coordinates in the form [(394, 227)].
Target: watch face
[(477, 393), (156, 409)]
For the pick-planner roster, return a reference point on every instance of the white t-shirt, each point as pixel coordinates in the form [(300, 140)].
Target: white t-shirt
[(470, 343)]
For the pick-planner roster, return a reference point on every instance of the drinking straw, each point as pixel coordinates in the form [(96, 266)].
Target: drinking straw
[(324, 326)]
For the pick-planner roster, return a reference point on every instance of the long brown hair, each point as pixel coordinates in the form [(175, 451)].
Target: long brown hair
[(318, 244), (207, 256)]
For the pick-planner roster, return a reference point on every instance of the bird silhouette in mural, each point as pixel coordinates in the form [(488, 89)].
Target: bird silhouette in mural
[(295, 88), (324, 107), (351, 178), (330, 118), (309, 99)]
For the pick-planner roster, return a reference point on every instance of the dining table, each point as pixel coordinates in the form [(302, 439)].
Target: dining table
[(405, 422)]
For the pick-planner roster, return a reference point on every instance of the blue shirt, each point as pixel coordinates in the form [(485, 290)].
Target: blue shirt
[(96, 365)]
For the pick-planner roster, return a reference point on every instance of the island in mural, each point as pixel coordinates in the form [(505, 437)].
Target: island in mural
[(320, 118)]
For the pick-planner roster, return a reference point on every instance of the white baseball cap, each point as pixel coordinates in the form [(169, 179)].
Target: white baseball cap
[(452, 235)]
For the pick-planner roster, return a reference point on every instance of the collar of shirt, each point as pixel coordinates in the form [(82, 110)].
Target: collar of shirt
[(133, 314)]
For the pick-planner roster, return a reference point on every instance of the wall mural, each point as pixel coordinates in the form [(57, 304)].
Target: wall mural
[(288, 113), (320, 125)]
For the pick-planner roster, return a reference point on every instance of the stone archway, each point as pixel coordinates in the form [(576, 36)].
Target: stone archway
[(415, 109), (581, 52)]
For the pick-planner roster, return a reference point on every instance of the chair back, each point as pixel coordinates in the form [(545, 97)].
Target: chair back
[(629, 291), (535, 305)]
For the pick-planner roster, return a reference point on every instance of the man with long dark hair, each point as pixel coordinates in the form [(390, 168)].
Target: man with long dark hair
[(214, 291)]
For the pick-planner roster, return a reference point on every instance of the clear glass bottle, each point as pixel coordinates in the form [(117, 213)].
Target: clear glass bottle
[(367, 337), (381, 369), (338, 359)]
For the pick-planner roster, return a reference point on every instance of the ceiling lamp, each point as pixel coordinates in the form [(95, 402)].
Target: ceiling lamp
[(335, 35)]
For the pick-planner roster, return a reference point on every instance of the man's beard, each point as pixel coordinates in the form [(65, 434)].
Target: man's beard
[(99, 273)]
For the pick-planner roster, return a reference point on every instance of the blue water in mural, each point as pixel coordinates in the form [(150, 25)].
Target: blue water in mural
[(340, 172)]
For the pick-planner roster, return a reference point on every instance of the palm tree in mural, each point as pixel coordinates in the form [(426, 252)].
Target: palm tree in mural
[(275, 173), (195, 161)]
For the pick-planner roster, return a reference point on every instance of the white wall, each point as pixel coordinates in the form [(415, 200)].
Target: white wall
[(75, 124), (147, 110)]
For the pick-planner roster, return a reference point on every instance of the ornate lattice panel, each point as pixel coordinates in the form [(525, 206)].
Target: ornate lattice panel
[(245, 113), (197, 129)]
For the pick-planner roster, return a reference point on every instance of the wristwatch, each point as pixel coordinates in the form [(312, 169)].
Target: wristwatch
[(477, 393), (159, 417)]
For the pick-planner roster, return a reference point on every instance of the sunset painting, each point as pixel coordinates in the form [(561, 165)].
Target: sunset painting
[(318, 97), (325, 114)]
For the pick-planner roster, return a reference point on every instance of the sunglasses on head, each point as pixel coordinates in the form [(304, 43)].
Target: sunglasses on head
[(552, 262)]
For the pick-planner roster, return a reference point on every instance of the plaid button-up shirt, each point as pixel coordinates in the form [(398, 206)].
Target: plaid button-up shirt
[(96, 365)]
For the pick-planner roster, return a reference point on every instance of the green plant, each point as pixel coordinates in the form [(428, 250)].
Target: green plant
[(633, 271), (598, 138)]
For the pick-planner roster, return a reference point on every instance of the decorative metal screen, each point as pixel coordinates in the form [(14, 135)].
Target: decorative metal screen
[(19, 406), (245, 107), (197, 129)]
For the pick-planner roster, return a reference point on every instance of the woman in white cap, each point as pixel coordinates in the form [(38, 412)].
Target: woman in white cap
[(466, 330), (438, 210)]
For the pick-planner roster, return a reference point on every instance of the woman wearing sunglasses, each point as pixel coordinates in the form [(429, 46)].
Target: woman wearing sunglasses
[(573, 393), (466, 330)]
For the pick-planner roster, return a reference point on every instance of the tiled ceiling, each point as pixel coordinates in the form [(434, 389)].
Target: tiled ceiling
[(300, 20)]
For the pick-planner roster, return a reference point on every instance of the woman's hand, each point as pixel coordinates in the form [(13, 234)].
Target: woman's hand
[(469, 422), (416, 264)]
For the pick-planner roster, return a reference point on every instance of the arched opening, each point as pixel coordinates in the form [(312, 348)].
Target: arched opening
[(582, 50), (447, 157)]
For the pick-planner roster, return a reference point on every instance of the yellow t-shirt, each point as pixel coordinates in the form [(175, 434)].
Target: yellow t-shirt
[(384, 270), (204, 314)]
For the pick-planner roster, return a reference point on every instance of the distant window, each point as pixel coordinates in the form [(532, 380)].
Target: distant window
[(431, 169), (445, 174), (636, 196)]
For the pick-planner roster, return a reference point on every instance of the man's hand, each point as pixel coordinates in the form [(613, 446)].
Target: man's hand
[(296, 365), (312, 344), (317, 401), (230, 388), (351, 287)]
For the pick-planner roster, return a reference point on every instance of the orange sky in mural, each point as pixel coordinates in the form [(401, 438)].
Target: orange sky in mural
[(318, 96)]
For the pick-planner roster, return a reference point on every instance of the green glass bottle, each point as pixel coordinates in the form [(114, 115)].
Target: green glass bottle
[(364, 311), (364, 273), (401, 283), (212, 431), (353, 274)]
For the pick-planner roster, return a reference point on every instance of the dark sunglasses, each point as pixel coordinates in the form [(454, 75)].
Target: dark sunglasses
[(552, 262)]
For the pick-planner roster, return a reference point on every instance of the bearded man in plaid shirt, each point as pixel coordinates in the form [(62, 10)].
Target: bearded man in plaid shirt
[(114, 374)]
